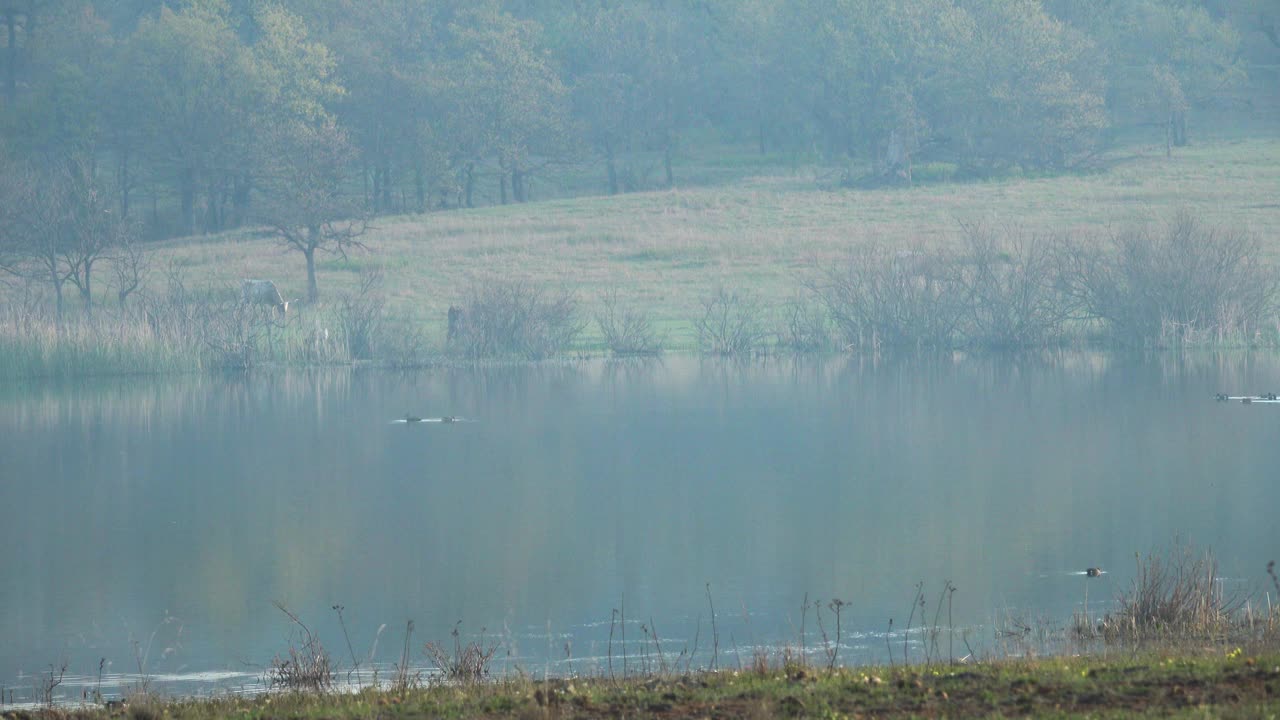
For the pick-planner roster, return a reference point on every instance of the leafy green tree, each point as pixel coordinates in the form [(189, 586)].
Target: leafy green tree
[(606, 61), (200, 90), (635, 72), (389, 53), (1161, 58), (505, 98), (60, 223), (304, 198), (1024, 87)]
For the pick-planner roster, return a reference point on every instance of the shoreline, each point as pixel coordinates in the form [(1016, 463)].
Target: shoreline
[(1160, 682)]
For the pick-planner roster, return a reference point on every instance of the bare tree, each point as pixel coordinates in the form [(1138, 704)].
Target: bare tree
[(1010, 284), (60, 223), (894, 298), (131, 264), (37, 227), (305, 203), (96, 230), (1172, 283)]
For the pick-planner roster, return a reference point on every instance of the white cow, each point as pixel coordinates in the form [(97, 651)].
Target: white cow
[(262, 292)]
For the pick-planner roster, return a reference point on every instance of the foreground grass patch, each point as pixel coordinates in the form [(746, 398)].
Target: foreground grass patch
[(1234, 684)]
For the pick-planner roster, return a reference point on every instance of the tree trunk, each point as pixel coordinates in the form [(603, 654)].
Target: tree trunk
[(376, 199), (502, 186), (11, 72), (123, 174), (212, 219), (386, 188), (470, 183), (57, 293), (241, 197), (666, 163), (187, 188), (86, 291), (420, 188), (1179, 123), (612, 168), (313, 291), (517, 185)]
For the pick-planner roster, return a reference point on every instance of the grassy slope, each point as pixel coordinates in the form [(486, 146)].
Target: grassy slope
[(1233, 685), (666, 250)]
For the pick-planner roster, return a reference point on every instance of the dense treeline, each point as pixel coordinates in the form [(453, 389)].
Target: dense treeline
[(150, 118)]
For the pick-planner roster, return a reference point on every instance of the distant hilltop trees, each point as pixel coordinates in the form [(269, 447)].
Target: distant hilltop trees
[(201, 115)]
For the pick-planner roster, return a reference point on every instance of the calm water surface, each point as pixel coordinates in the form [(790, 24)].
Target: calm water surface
[(152, 523)]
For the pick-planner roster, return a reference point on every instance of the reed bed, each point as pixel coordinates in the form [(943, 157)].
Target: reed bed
[(1178, 284)]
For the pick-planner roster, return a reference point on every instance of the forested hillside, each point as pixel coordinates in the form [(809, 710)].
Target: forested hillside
[(128, 120)]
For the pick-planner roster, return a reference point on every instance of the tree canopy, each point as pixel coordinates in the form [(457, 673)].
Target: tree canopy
[(420, 104)]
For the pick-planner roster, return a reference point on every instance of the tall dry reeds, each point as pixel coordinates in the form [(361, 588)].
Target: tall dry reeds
[(1175, 595), (181, 329), (466, 662), (305, 666)]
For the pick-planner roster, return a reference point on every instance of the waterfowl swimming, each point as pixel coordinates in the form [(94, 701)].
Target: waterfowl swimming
[(1093, 571)]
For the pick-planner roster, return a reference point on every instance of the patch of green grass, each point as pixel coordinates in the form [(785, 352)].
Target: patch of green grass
[(1215, 684), (765, 228), (340, 264)]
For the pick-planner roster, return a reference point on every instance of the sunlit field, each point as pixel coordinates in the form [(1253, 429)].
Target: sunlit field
[(764, 234)]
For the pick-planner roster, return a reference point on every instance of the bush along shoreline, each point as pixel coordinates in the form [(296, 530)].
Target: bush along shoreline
[(997, 289)]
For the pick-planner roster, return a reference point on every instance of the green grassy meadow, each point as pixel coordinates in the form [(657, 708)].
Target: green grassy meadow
[(758, 226), (666, 250)]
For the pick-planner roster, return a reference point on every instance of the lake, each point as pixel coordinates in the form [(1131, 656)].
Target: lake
[(149, 526)]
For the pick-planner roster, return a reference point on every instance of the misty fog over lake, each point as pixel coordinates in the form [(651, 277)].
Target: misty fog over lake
[(173, 512)]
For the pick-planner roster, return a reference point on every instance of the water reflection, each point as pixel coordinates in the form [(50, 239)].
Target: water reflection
[(171, 513)]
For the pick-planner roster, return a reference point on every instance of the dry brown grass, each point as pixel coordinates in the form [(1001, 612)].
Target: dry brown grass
[(1176, 596), (665, 251)]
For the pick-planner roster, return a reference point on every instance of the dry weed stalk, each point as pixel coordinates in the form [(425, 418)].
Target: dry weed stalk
[(467, 663), (305, 668)]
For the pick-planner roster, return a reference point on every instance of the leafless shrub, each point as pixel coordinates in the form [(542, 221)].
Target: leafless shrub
[(1009, 282), (1176, 595), (514, 319), (883, 298), (1186, 283), (131, 265), (49, 681), (804, 325), (361, 314), (730, 323), (627, 331), (405, 678), (233, 333), (305, 668), (467, 663)]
